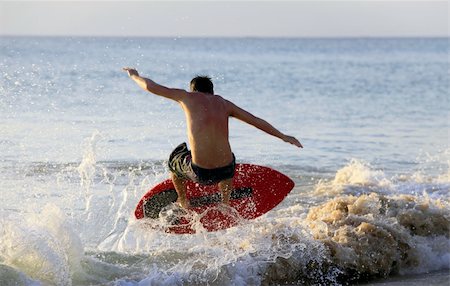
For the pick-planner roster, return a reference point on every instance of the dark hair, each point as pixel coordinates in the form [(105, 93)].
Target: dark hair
[(202, 84)]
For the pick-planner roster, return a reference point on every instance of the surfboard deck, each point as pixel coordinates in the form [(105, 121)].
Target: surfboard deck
[(257, 190)]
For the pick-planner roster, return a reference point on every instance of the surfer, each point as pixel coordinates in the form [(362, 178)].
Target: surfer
[(210, 160)]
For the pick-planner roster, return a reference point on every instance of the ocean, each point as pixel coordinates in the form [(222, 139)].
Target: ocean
[(80, 144)]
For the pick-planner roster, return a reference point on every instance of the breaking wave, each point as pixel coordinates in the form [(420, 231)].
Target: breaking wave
[(362, 225)]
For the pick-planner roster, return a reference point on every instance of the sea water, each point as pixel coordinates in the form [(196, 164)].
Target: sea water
[(80, 144)]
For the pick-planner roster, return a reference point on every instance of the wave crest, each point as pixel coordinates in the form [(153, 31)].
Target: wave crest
[(375, 235)]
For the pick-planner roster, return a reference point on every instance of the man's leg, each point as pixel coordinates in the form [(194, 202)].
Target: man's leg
[(180, 187), (226, 187)]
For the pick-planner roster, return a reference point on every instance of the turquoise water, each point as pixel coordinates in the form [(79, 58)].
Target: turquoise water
[(80, 143)]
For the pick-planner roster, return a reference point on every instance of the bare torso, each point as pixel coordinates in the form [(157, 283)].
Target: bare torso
[(207, 129)]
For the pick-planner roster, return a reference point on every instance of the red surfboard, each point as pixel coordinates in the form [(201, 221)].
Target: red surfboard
[(257, 190)]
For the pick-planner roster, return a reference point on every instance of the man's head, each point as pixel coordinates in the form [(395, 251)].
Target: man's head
[(202, 84)]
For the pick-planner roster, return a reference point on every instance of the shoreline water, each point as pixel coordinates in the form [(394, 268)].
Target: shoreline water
[(128, 241)]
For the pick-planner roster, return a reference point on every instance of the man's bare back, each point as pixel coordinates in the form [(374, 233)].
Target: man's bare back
[(207, 130)]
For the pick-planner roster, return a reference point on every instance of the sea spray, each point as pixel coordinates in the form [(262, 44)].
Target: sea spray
[(357, 174), (87, 167), (43, 246)]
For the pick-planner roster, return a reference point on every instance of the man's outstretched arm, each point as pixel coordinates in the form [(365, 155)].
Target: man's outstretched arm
[(151, 86), (261, 124)]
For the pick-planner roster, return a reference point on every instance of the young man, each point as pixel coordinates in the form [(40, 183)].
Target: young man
[(210, 160)]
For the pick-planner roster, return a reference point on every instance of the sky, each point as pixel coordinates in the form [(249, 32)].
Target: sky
[(212, 18)]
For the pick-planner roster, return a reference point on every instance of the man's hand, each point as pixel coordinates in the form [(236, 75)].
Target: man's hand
[(131, 72), (292, 140)]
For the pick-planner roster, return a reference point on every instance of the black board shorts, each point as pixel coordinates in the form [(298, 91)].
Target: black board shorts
[(180, 163)]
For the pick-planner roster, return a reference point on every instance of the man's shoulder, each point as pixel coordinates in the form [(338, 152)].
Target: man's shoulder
[(225, 101)]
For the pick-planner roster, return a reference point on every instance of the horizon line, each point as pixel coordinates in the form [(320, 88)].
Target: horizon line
[(231, 37)]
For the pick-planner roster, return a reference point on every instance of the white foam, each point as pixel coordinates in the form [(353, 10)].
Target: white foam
[(43, 246), (360, 173), (382, 235)]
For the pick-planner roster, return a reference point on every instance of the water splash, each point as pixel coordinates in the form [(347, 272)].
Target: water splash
[(87, 167), (43, 246)]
